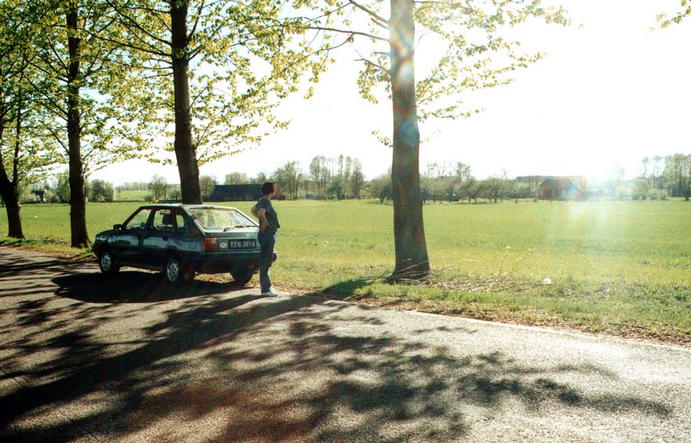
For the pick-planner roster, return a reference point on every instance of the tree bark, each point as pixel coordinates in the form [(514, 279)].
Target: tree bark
[(185, 151), (14, 221), (79, 234), (412, 261), (8, 191)]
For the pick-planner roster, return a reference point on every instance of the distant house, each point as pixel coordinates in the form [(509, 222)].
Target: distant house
[(532, 180), (40, 195), (228, 193), (558, 188)]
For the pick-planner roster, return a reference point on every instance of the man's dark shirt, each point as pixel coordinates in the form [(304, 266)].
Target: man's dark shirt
[(271, 215)]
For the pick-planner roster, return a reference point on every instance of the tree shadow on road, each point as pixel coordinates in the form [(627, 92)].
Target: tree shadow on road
[(225, 367), (133, 287), (26, 268)]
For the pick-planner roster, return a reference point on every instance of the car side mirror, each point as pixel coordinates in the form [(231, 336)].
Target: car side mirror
[(117, 227)]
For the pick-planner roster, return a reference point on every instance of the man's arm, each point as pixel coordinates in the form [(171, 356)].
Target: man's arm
[(261, 215)]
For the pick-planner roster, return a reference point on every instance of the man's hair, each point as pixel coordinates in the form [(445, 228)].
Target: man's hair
[(268, 187)]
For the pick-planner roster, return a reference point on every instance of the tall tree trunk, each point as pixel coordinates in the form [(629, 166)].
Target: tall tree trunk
[(14, 221), (8, 191), (412, 261), (185, 151), (79, 235)]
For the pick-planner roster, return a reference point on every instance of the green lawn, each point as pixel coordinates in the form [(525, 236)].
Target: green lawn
[(623, 267), (132, 195)]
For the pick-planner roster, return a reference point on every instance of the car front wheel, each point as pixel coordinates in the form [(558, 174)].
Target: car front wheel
[(106, 262), (242, 277)]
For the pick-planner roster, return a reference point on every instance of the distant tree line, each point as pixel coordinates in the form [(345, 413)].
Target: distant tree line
[(341, 177), (326, 178), (58, 191), (661, 176)]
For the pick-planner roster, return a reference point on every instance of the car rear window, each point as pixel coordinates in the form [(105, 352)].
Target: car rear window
[(220, 219)]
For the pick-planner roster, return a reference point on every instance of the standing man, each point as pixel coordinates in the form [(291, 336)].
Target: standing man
[(268, 219)]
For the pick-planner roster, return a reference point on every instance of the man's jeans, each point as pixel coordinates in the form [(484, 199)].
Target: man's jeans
[(267, 240)]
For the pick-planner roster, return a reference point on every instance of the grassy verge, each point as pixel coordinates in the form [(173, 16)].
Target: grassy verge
[(630, 311), (615, 267)]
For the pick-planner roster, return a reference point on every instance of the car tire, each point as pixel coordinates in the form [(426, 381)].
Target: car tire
[(106, 262), (242, 277), (174, 273)]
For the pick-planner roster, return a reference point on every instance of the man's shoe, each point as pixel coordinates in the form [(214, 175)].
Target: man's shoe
[(270, 292)]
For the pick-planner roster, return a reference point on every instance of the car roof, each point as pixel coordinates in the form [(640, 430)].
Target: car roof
[(185, 206)]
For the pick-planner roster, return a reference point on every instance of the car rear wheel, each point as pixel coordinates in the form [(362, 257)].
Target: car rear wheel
[(106, 262), (242, 277), (174, 273)]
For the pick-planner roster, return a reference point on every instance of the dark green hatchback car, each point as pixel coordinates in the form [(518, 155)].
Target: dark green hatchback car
[(181, 240)]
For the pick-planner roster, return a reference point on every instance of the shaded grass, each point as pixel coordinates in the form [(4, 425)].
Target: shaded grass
[(614, 266)]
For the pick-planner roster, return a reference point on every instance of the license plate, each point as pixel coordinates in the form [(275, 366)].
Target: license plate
[(240, 244)]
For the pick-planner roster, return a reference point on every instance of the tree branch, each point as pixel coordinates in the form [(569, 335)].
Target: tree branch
[(150, 50), (371, 63), (379, 20), (133, 23), (196, 21), (57, 55), (350, 32), (57, 138)]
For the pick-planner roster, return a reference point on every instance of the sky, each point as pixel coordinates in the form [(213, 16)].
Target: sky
[(612, 89)]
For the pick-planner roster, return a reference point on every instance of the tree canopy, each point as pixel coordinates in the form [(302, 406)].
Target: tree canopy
[(77, 61), (218, 69), (468, 46)]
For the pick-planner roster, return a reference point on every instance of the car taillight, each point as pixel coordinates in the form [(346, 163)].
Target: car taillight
[(211, 244)]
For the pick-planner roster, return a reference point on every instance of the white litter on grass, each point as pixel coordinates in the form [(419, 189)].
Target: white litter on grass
[(546, 281)]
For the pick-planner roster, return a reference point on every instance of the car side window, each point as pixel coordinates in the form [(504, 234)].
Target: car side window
[(180, 221), (138, 220), (164, 220)]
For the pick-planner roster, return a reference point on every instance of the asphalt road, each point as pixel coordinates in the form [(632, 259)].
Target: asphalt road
[(84, 357)]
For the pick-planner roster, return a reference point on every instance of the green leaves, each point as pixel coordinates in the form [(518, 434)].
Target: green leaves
[(479, 51), (81, 61), (23, 155), (244, 57), (678, 17)]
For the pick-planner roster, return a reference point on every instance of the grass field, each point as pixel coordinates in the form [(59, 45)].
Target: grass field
[(132, 195), (622, 267)]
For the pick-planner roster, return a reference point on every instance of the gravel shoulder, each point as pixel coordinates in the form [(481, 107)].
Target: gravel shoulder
[(89, 358)]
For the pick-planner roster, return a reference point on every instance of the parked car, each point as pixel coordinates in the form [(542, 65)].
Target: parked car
[(181, 240)]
